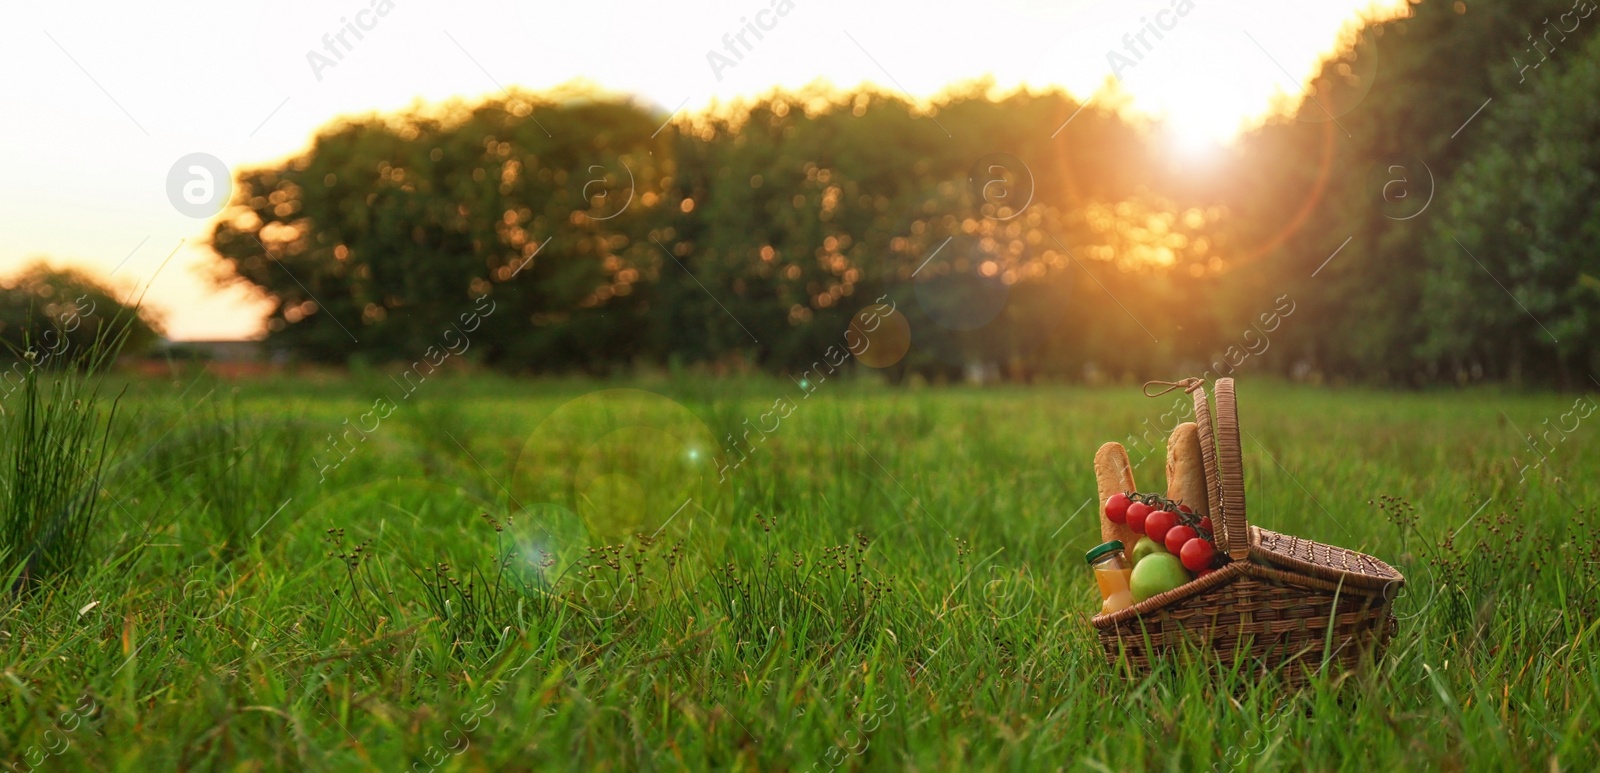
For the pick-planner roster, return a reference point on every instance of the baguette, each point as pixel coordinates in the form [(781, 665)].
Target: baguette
[(1186, 472), (1114, 475)]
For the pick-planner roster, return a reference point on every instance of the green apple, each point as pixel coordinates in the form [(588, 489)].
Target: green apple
[(1146, 547), (1157, 574)]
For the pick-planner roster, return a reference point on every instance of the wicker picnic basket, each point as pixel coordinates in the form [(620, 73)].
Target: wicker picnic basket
[(1283, 605)]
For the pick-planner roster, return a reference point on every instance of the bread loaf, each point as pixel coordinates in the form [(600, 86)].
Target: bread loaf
[(1186, 471), (1113, 473)]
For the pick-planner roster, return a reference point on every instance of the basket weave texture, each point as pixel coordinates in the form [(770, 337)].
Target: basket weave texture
[(1285, 605)]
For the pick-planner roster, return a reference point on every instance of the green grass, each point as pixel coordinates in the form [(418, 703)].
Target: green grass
[(57, 428), (893, 579)]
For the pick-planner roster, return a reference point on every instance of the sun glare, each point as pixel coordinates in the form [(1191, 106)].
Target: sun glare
[(1193, 140), (1204, 72)]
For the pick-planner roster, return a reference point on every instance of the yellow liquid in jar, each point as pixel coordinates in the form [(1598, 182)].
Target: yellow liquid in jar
[(1114, 589)]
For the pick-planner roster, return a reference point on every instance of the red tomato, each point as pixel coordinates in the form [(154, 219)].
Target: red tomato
[(1205, 524), (1117, 508), (1158, 523), (1178, 536), (1186, 509), (1136, 515), (1197, 555), (1203, 572)]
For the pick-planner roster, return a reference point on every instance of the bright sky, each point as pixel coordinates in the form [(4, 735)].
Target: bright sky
[(102, 99)]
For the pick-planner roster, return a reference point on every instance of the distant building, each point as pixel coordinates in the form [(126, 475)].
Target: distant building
[(224, 359), (213, 351)]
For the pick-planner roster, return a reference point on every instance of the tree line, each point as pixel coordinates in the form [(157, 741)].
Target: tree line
[(1419, 241)]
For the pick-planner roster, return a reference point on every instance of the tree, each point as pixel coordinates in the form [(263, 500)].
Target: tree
[(1514, 280), (391, 231), (58, 313), (1405, 92)]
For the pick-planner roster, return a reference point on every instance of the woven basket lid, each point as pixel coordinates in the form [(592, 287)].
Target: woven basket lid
[(1230, 469), (1208, 457), (1328, 562)]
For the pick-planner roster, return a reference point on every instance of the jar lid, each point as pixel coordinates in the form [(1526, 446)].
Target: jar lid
[(1102, 549)]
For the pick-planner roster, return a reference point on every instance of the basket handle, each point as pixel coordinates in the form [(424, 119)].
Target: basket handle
[(1219, 453), (1186, 384)]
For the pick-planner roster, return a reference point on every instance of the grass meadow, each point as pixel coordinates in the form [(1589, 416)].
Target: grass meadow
[(690, 573)]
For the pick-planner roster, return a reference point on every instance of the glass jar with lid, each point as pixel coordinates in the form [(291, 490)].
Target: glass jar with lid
[(1112, 573)]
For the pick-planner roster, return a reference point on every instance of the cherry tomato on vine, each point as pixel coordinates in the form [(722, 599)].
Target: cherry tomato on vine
[(1117, 508), (1178, 536), (1197, 555), (1136, 515), (1158, 523)]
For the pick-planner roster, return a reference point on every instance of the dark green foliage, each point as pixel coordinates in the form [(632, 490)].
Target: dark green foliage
[(61, 313), (750, 237), (1511, 180), (1525, 302)]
